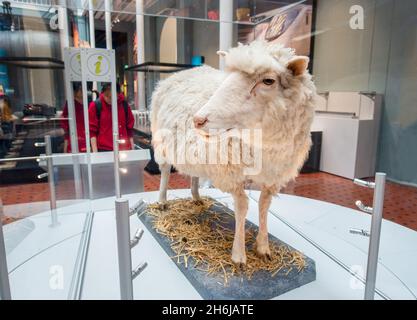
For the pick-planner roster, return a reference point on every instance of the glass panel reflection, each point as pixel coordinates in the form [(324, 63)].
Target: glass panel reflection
[(45, 227)]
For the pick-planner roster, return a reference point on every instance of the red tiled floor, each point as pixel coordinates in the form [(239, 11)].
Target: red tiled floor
[(400, 201), (176, 181), (400, 204)]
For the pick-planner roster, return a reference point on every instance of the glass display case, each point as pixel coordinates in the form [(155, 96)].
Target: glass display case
[(71, 218)]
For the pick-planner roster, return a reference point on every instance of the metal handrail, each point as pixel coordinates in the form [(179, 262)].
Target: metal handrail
[(42, 157)]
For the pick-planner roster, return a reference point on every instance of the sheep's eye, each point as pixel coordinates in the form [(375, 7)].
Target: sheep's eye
[(268, 82)]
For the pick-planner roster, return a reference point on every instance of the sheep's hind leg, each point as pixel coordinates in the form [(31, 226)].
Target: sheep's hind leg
[(163, 186), (262, 243), (194, 190), (241, 209)]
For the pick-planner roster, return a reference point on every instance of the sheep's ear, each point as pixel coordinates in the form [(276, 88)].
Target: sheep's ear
[(298, 65), (222, 53)]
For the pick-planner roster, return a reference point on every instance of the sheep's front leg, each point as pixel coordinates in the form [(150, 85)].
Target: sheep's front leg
[(194, 189), (163, 186), (241, 209), (262, 243)]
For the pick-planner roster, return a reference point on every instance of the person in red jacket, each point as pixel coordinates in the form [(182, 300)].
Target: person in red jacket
[(79, 120), (100, 118)]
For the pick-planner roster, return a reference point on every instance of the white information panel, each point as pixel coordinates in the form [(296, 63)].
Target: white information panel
[(98, 62)]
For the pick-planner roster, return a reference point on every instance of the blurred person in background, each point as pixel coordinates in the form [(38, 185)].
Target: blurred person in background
[(100, 117), (79, 119), (6, 125)]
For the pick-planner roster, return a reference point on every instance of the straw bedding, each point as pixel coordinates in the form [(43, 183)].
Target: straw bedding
[(202, 239)]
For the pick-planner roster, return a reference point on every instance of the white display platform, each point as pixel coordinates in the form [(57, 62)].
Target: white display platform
[(324, 237)]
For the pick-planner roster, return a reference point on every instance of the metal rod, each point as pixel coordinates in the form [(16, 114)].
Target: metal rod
[(39, 144), (63, 25), (77, 178), (140, 34), (51, 180), (42, 175), (40, 119), (108, 24), (136, 238), (138, 270), (378, 205), (73, 134), (77, 281), (138, 207), (363, 183), (91, 23), (123, 249), (116, 169), (360, 232), (226, 29), (86, 124), (351, 114), (364, 208), (42, 157), (115, 127), (4, 274)]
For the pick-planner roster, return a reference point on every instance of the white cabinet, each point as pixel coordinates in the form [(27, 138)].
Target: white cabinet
[(350, 125)]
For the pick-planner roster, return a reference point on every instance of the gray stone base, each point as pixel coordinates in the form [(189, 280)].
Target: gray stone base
[(260, 287)]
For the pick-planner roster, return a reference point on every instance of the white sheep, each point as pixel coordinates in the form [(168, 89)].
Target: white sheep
[(264, 88)]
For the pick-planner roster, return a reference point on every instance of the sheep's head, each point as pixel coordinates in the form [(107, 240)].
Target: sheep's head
[(259, 76)]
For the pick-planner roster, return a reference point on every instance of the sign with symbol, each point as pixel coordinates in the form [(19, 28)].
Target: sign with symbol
[(75, 64), (91, 63), (72, 61), (98, 64)]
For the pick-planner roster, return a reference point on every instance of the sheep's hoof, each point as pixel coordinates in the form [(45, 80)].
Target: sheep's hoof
[(198, 202), (265, 257), (239, 258), (162, 206), (240, 267), (263, 251)]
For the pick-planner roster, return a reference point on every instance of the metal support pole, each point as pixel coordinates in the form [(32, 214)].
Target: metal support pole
[(378, 206), (92, 29), (77, 176), (86, 124), (4, 274), (51, 180), (65, 43), (115, 128), (63, 25), (121, 205), (116, 141), (107, 14), (123, 248), (140, 34), (226, 28), (91, 24), (145, 82), (116, 166)]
